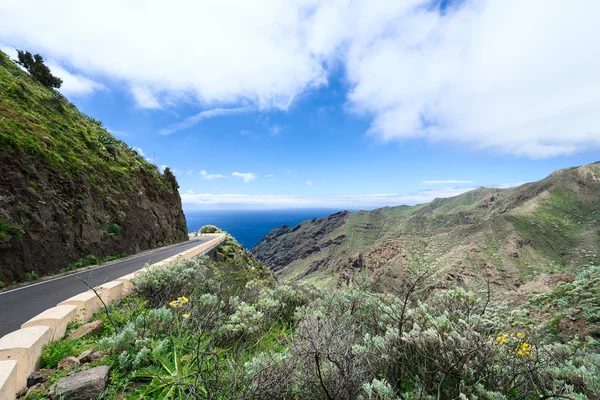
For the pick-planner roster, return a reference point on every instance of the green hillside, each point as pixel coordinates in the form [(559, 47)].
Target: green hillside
[(69, 188), (510, 236)]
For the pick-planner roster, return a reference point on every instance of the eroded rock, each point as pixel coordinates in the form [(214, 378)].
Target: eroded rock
[(82, 385), (93, 328), (68, 363)]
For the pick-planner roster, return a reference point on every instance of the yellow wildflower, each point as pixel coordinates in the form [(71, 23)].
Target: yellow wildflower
[(520, 335), (524, 350), (180, 302), (186, 315)]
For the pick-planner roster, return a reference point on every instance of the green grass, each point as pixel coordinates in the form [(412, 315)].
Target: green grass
[(555, 225), (403, 211), (56, 351), (52, 134), (9, 231)]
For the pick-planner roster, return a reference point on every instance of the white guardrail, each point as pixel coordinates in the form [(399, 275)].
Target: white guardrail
[(20, 351)]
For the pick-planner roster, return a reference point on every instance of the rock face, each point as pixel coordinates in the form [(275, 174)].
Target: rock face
[(285, 244), (83, 385), (68, 189)]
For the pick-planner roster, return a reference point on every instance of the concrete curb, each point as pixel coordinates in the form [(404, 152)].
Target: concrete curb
[(20, 351)]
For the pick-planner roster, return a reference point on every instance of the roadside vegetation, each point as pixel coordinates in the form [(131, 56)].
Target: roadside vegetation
[(227, 330)]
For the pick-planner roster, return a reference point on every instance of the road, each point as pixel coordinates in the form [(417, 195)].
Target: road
[(20, 305)]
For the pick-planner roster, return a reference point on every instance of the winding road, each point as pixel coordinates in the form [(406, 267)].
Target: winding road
[(20, 305)]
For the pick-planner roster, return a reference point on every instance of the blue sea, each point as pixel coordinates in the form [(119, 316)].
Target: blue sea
[(249, 226)]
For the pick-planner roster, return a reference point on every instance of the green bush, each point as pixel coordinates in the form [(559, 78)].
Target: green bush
[(209, 229), (31, 276), (113, 229), (85, 262), (162, 284), (2, 285)]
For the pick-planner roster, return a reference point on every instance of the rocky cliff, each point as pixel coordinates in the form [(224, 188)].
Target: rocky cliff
[(68, 189), (505, 236)]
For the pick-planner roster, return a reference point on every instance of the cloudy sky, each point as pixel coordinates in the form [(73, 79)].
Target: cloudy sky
[(342, 104)]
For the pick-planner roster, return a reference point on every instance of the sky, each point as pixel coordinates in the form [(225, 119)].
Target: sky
[(337, 104)]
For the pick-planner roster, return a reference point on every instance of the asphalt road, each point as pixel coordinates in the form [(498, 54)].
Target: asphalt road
[(20, 305)]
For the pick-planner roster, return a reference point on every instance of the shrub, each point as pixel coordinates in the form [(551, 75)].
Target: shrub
[(2, 285), (31, 276), (113, 229), (96, 122), (85, 262), (162, 284), (209, 229)]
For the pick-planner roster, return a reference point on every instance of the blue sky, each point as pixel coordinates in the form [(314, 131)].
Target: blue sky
[(330, 104)]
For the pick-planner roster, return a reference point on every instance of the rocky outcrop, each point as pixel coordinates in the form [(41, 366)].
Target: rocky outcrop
[(68, 189), (285, 244)]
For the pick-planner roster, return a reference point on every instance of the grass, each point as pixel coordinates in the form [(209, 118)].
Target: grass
[(51, 133), (555, 225), (91, 260), (9, 231), (403, 211), (31, 276)]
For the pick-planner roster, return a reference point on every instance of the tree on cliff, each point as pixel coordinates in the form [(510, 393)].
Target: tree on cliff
[(38, 70), (170, 177)]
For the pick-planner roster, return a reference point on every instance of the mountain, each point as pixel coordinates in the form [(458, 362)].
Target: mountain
[(68, 189), (508, 237)]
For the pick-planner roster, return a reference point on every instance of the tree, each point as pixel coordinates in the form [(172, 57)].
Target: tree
[(38, 70), (170, 177)]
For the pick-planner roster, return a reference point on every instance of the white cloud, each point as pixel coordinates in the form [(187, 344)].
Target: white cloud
[(445, 182), (244, 132), (510, 76), (143, 96), (309, 182), (195, 119), (74, 84), (275, 130), (209, 200), (246, 176), (11, 52), (260, 54), (191, 171), (141, 153), (269, 176), (517, 77), (210, 177)]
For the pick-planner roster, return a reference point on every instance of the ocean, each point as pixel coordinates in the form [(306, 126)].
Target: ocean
[(249, 226)]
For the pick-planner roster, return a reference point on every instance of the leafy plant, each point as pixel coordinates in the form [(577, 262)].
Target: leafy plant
[(85, 262), (31, 276), (96, 122), (56, 351), (113, 229)]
